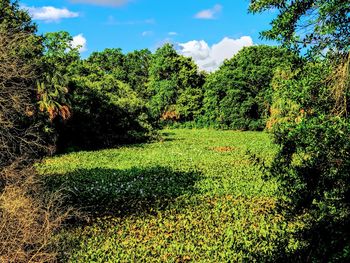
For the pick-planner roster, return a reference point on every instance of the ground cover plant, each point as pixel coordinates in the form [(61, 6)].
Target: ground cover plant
[(194, 196)]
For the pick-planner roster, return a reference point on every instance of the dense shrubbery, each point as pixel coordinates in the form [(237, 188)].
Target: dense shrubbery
[(106, 112), (90, 101), (311, 124), (313, 165)]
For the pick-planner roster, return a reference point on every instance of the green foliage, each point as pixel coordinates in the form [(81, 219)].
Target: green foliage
[(101, 100), (109, 61), (312, 164), (239, 94), (14, 19), (137, 65), (311, 123), (313, 24), (193, 196), (57, 61), (175, 86)]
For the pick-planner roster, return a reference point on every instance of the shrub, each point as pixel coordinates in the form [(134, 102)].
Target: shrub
[(28, 219), (105, 113), (312, 164)]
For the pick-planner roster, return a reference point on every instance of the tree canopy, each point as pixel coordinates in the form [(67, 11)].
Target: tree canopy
[(239, 94), (175, 85), (317, 25)]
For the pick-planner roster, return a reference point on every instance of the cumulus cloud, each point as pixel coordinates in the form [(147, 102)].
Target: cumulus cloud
[(172, 33), (79, 41), (102, 2), (209, 13), (210, 58), (50, 13)]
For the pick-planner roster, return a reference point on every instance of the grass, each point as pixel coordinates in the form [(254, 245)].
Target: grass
[(194, 196)]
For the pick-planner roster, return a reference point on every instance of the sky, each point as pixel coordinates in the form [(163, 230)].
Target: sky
[(209, 31)]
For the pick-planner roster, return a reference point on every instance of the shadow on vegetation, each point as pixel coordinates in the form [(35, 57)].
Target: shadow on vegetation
[(327, 241), (166, 134), (121, 193), (170, 139), (140, 143)]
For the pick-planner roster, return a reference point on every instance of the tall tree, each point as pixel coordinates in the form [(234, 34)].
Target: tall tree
[(175, 85), (13, 19), (20, 52), (100, 97), (317, 25), (110, 61), (239, 94), (137, 67), (59, 56)]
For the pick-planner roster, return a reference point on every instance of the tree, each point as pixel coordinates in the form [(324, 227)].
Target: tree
[(20, 130), (175, 85), (110, 61), (239, 94), (26, 218), (137, 65), (13, 19), (318, 25), (99, 98), (59, 56)]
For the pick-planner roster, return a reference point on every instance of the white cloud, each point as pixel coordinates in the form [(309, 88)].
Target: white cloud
[(102, 2), (209, 13), (79, 41), (172, 33), (50, 13), (210, 58), (147, 33)]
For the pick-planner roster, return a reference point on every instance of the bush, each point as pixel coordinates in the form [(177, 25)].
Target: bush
[(28, 219), (106, 112), (312, 164)]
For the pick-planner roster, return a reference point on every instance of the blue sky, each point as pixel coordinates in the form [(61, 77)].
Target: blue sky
[(196, 27)]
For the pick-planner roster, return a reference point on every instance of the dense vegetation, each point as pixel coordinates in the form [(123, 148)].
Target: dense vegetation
[(204, 191), (311, 110), (195, 196), (239, 94)]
